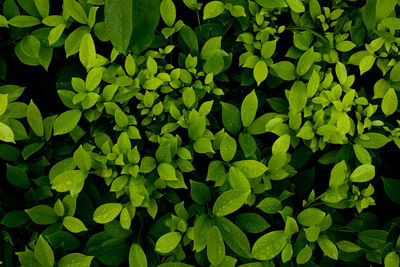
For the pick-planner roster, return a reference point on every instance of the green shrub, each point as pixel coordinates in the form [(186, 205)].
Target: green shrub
[(220, 133)]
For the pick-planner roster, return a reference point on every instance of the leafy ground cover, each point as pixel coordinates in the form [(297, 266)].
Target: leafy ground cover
[(199, 133)]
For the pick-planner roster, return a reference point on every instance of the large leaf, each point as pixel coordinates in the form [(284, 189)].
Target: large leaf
[(145, 18), (118, 21)]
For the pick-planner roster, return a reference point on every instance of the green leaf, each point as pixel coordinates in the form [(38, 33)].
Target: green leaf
[(137, 257), (213, 9), (269, 245), (375, 239), (296, 5), (215, 246), (260, 71), (315, 8), (6, 134), (76, 11), (71, 180), (82, 159), (166, 172), (366, 64), (93, 78), (199, 192), (231, 118), (305, 62), (17, 177), (66, 121), (189, 97), (237, 179), (310, 217), (107, 212), (24, 21), (248, 109), (42, 214), (73, 41), (304, 255), (348, 246), (270, 205), (229, 202), (328, 247), (281, 145), (252, 222), (285, 70), (43, 252), (15, 218), (362, 154), (363, 173), (168, 12), (392, 189), (214, 64), (233, 236), (228, 148), (268, 49), (392, 259), (118, 23), (272, 3), (297, 97), (145, 18), (168, 242), (372, 140), (338, 174), (389, 102), (43, 7), (87, 51), (341, 72), (74, 225), (75, 260), (345, 46), (250, 168)]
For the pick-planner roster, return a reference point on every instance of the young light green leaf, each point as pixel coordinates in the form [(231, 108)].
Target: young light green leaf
[(24, 21), (43, 7), (215, 246), (137, 257), (248, 109), (389, 102), (42, 214), (43, 252), (74, 225), (168, 242), (269, 245), (75, 260), (87, 51), (168, 12), (270, 205), (297, 97), (107, 212), (328, 247), (296, 5), (392, 259), (260, 71), (305, 62), (304, 255), (362, 154), (82, 159), (66, 121), (341, 72), (250, 168), (227, 148), (229, 202), (310, 217), (213, 9), (6, 134), (363, 173), (285, 70), (70, 180)]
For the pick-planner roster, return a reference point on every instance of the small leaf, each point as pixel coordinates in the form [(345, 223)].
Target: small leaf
[(269, 245), (75, 260), (74, 225), (168, 12), (389, 102), (137, 257), (43, 252), (6, 134), (250, 168), (260, 71), (213, 9), (249, 109), (305, 62), (107, 212), (66, 121), (297, 97), (328, 247), (304, 255), (229, 202), (228, 148), (310, 217), (363, 173), (168, 242)]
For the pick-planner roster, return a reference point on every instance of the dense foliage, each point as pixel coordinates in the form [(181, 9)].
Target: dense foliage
[(185, 133)]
